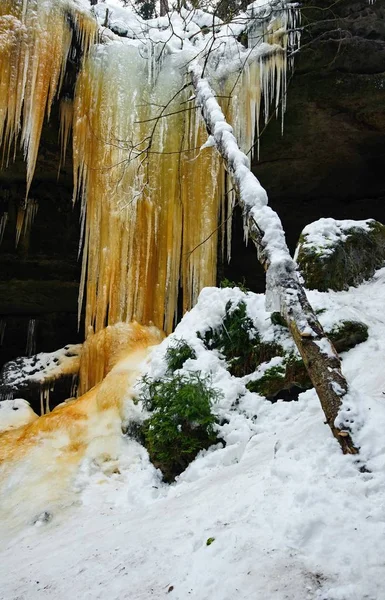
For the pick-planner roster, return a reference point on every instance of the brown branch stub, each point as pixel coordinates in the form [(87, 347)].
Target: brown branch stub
[(320, 358)]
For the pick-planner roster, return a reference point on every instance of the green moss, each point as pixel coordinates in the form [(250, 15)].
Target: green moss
[(239, 341), (352, 260), (181, 423), (271, 382), (291, 373), (296, 373), (348, 334)]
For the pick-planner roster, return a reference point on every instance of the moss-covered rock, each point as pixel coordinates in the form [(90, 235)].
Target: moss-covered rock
[(289, 377), (348, 334), (284, 380), (337, 254)]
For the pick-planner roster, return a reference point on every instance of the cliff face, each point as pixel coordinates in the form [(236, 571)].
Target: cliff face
[(39, 278), (329, 162)]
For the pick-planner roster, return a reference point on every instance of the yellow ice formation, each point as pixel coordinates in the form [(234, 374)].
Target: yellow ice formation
[(103, 350), (35, 40), (45, 453), (155, 203), (155, 198), (152, 196)]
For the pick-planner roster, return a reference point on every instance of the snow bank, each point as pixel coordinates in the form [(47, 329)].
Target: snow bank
[(15, 413), (291, 517)]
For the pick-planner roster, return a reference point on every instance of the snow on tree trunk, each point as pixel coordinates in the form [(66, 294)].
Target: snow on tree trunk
[(284, 291)]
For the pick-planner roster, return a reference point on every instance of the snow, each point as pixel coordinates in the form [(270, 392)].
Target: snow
[(15, 413), (323, 235), (42, 367), (291, 517)]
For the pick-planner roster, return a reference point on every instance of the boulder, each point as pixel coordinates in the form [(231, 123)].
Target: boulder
[(333, 255)]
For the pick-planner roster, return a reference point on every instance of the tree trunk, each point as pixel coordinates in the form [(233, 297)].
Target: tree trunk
[(163, 7), (265, 229)]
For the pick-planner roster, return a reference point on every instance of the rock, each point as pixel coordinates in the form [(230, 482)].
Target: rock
[(287, 377), (337, 254), (44, 377), (284, 380), (329, 160), (348, 334)]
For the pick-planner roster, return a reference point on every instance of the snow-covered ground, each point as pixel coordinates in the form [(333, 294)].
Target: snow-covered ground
[(291, 517)]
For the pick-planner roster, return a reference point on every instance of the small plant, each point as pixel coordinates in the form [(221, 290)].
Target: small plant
[(182, 423), (277, 319), (271, 382), (227, 283), (238, 340), (177, 354)]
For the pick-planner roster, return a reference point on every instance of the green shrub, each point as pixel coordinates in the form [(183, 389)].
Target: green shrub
[(277, 319), (238, 340), (177, 354), (182, 423)]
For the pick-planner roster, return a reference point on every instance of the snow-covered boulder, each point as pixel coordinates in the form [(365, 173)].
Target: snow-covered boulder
[(337, 254), (15, 413)]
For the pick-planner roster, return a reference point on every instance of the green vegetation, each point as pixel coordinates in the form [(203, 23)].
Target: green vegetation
[(277, 319), (177, 354), (348, 334), (291, 373), (239, 341), (181, 423), (227, 283)]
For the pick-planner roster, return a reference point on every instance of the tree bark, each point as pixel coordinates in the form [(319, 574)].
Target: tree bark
[(163, 7), (265, 229)]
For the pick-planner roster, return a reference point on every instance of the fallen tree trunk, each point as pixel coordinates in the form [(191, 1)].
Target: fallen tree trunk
[(284, 291)]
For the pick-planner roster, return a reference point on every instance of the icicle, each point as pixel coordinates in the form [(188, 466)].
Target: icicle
[(35, 38), (66, 116), (3, 325), (31, 338), (150, 209), (45, 391), (25, 217), (74, 386), (6, 395), (3, 224)]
